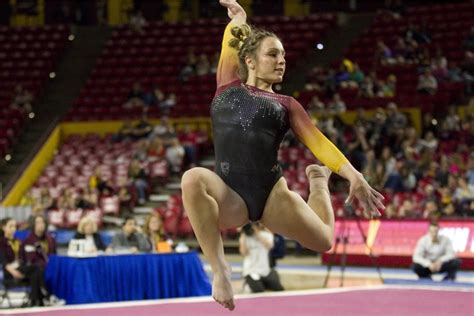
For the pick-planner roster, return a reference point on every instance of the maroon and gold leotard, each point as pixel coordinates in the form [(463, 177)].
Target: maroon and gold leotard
[(248, 126)]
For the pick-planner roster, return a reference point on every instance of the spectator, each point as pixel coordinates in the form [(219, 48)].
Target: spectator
[(139, 179), (38, 245), (434, 253), (129, 240), (167, 104), (23, 99), (136, 97), (336, 105), (142, 128), (429, 142), (175, 155), (124, 195), (137, 21), (383, 53), (202, 66), (427, 83), (315, 106), (189, 68), (125, 132), (67, 200), (155, 96), (255, 243), (356, 77), (464, 196), (155, 234), (87, 229), (16, 271), (87, 198), (214, 63)]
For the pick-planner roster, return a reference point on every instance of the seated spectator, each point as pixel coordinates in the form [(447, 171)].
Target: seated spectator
[(434, 253), (175, 155), (38, 245), (464, 196), (367, 88), (125, 132), (255, 243), (129, 239), (139, 179), (87, 198), (167, 104), (429, 142), (336, 105), (356, 77), (137, 21), (136, 97), (415, 33), (400, 51), (189, 68), (45, 200), (427, 83), (67, 200), (388, 87), (156, 149), (87, 229), (125, 197), (384, 53), (202, 66), (155, 96), (214, 63), (431, 210), (23, 99), (16, 271), (155, 234), (315, 105), (142, 128), (408, 209)]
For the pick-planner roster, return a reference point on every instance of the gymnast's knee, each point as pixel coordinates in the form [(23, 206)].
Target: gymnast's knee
[(193, 182)]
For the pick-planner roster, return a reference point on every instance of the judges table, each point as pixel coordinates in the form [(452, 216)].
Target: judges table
[(126, 277)]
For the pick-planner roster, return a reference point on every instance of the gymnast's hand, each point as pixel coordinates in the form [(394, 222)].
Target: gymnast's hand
[(234, 10), (369, 199)]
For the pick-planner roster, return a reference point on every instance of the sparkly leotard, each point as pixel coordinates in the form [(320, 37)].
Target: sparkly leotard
[(248, 127)]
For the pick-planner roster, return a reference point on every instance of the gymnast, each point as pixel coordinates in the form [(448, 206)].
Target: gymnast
[(249, 121)]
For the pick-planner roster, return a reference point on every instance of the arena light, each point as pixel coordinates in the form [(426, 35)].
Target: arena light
[(31, 115), (278, 87), (434, 122), (71, 37), (52, 75), (8, 157), (320, 46)]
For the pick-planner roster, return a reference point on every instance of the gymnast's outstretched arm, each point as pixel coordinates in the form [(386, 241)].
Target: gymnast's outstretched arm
[(323, 149), (229, 60)]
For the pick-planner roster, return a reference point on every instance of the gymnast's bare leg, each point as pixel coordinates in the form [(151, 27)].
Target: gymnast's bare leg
[(211, 205), (312, 223)]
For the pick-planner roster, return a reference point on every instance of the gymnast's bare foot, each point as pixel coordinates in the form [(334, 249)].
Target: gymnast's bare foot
[(318, 176), (222, 291)]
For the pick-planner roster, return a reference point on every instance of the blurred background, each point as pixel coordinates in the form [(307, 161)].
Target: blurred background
[(105, 103)]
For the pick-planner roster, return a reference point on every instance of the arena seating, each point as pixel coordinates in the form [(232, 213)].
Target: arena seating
[(157, 55), (27, 56), (448, 25)]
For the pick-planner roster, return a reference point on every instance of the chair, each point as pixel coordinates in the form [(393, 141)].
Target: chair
[(7, 286)]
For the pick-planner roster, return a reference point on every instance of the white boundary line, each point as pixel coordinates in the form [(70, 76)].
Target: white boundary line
[(240, 296)]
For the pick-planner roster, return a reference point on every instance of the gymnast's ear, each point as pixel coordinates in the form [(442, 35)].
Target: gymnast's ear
[(250, 62)]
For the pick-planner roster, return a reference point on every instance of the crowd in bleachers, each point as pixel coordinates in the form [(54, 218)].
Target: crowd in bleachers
[(422, 56), (422, 175), (111, 175)]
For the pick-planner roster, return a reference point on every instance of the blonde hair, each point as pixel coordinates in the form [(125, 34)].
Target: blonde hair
[(247, 40), (84, 221), (146, 225)]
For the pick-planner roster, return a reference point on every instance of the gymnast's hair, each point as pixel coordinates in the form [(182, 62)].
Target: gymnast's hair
[(247, 40)]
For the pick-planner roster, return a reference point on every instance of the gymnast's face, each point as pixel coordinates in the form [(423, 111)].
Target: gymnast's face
[(269, 64)]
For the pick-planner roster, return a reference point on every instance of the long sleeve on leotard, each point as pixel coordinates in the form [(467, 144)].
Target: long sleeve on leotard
[(321, 147), (228, 61)]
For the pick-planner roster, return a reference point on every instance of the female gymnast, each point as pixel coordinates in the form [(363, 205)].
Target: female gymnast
[(249, 121)]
